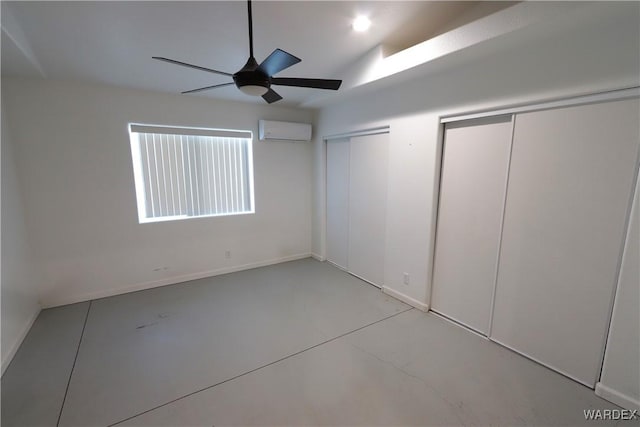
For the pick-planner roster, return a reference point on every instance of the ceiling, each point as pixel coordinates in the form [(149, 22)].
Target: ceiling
[(113, 42)]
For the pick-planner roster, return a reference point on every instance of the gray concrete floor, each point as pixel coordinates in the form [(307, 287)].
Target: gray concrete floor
[(299, 343)]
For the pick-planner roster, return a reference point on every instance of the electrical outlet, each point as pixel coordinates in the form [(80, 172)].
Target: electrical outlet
[(405, 278), (227, 254)]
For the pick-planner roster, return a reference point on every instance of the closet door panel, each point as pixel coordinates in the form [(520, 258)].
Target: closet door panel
[(472, 190), (367, 206), (570, 182), (621, 369), (338, 202)]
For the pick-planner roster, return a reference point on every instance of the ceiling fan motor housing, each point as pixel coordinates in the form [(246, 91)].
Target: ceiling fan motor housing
[(251, 75)]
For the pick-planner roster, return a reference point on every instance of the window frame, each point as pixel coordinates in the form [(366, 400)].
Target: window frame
[(135, 129)]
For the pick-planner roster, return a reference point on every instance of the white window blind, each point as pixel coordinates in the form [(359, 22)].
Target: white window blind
[(186, 172)]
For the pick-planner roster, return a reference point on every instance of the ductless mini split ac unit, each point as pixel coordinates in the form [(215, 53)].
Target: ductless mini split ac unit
[(287, 131)]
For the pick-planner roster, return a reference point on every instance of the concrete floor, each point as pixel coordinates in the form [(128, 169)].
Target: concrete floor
[(299, 343)]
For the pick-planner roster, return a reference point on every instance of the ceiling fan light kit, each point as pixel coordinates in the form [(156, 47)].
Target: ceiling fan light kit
[(253, 90), (256, 79)]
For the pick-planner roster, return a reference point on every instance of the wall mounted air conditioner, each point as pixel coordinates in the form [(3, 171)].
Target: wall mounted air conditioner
[(288, 131)]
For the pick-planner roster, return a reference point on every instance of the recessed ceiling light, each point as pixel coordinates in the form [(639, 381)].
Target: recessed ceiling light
[(361, 23)]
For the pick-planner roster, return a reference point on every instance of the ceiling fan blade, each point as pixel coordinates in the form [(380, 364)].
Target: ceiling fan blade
[(313, 83), (207, 88), (184, 64), (278, 61), (271, 96)]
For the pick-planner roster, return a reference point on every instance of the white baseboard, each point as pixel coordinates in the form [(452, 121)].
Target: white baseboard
[(72, 299), (405, 298), (317, 257), (627, 402), (18, 341)]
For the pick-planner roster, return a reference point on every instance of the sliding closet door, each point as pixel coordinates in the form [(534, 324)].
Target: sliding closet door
[(338, 201), (474, 177), (367, 206), (621, 368), (570, 182)]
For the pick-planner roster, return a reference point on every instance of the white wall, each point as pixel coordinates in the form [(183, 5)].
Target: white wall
[(73, 158), (19, 277), (593, 51), (620, 381)]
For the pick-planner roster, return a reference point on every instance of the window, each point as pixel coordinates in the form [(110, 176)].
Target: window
[(190, 172)]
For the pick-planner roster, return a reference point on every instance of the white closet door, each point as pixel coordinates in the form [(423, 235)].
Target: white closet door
[(472, 191), (620, 378), (572, 171), (367, 206), (338, 202)]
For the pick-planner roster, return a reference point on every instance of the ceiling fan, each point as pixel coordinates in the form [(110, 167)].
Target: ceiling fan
[(256, 79)]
